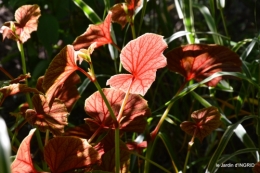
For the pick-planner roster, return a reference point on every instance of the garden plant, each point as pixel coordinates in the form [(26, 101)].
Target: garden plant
[(122, 93)]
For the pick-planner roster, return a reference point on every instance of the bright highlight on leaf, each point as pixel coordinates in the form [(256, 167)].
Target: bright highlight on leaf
[(133, 119), (23, 161), (123, 12), (99, 34), (199, 61), (141, 57), (68, 153), (61, 67), (205, 121), (44, 117), (26, 22)]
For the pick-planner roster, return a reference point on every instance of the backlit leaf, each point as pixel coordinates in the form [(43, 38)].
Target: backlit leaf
[(199, 61), (205, 121), (67, 153), (106, 148), (15, 89), (141, 57), (23, 161), (26, 22), (68, 93), (61, 67), (123, 12), (44, 117), (133, 119), (99, 34)]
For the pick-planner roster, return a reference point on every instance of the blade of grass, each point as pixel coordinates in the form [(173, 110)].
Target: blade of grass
[(175, 36), (210, 22), (223, 142), (242, 151), (88, 11), (165, 138), (188, 20)]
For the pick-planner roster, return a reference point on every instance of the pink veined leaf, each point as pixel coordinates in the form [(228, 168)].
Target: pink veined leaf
[(65, 153), (26, 22), (99, 34), (134, 114), (44, 117), (141, 57), (23, 161), (15, 89), (61, 67)]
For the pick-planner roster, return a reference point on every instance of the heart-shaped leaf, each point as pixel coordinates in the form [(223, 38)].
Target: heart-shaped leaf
[(23, 161), (141, 57), (123, 12), (199, 61), (44, 117), (61, 67), (66, 153), (99, 34), (68, 93), (205, 121), (133, 119), (26, 22)]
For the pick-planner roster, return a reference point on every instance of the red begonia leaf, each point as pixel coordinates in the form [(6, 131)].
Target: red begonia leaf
[(26, 22), (66, 153), (141, 57), (44, 117), (81, 131), (68, 93), (23, 161), (119, 14), (205, 121), (106, 148), (61, 67), (199, 61), (133, 119), (20, 78), (15, 89), (99, 34)]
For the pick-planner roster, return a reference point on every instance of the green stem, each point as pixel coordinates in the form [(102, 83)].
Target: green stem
[(188, 20), (117, 137), (20, 47), (190, 144), (157, 128), (152, 162), (133, 27)]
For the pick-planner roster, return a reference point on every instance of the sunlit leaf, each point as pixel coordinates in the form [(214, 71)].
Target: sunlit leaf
[(67, 153), (99, 34), (26, 22), (199, 61), (205, 121), (141, 57), (44, 117), (133, 119), (123, 12), (81, 131), (23, 161), (15, 89), (106, 148), (68, 93), (61, 67)]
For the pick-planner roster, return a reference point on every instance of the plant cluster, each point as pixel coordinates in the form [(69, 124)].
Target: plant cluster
[(121, 133)]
